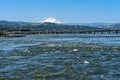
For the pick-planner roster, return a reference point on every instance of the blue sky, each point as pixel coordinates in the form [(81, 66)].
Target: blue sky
[(67, 11)]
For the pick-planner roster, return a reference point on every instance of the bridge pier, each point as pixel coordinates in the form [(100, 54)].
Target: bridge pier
[(101, 32), (109, 32), (116, 32)]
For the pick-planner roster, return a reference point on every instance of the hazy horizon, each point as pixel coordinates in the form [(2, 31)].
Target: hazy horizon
[(67, 22)]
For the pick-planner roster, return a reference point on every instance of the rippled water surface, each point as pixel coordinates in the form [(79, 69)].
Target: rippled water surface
[(60, 57)]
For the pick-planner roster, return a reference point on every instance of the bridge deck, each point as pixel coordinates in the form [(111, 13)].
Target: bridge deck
[(62, 32)]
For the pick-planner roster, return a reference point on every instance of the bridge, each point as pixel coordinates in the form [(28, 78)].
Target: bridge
[(62, 32), (70, 32)]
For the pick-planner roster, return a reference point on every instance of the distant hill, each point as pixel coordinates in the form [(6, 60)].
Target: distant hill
[(115, 26), (16, 26), (106, 25), (13, 26), (57, 27)]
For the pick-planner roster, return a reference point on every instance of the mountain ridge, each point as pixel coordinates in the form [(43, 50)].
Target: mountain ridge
[(35, 26)]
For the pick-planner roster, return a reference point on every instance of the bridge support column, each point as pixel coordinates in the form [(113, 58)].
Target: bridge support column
[(116, 32)]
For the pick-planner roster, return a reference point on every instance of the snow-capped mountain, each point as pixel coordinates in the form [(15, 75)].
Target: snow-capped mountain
[(51, 20)]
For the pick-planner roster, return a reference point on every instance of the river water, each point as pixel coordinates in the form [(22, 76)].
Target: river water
[(60, 57)]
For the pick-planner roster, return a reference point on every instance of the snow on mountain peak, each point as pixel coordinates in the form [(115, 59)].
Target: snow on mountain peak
[(51, 20)]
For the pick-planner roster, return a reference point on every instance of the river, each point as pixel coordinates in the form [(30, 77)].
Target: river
[(60, 57)]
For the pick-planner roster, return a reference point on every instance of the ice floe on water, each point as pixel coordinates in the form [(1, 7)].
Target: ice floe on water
[(75, 50), (27, 50), (86, 62)]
